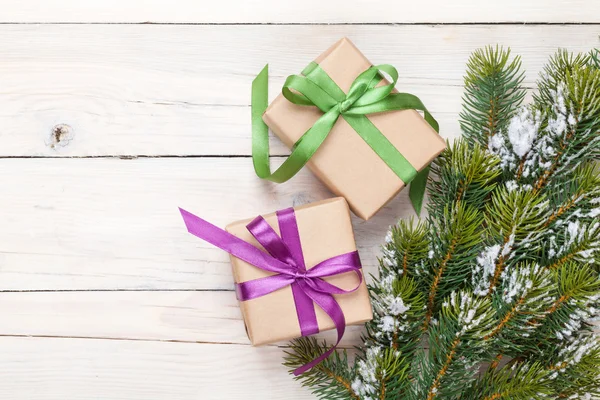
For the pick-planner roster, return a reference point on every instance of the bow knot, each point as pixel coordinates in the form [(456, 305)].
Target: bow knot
[(344, 105), (300, 275)]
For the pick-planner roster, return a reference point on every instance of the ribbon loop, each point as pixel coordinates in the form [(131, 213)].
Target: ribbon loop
[(316, 88), (285, 259)]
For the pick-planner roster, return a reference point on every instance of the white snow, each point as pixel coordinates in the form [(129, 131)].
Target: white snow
[(387, 323), (522, 131), (511, 186), (485, 268), (397, 306)]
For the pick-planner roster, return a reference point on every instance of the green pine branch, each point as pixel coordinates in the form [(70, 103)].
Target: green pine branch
[(577, 289), (330, 379), (505, 267), (513, 219), (520, 381), (523, 299), (444, 372), (493, 93), (406, 245), (574, 242), (462, 173), (569, 97), (595, 58), (455, 238), (384, 373), (400, 306), (579, 198), (575, 368)]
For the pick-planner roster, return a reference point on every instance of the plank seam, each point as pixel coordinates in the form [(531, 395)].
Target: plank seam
[(480, 23), (281, 346), (133, 157), (110, 290), (121, 339)]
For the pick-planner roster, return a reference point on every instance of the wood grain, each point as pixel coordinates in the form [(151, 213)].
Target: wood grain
[(306, 11), (111, 90), (58, 369), (168, 316)]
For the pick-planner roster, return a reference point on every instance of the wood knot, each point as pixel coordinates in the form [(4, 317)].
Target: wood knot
[(60, 136)]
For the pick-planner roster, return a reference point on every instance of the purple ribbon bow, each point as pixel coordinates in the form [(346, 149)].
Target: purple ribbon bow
[(287, 262)]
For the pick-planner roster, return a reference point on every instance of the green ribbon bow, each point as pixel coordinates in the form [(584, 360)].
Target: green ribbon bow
[(315, 88)]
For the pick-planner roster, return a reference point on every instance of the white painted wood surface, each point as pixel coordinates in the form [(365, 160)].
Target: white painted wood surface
[(108, 125), (301, 11), (70, 368), (184, 90)]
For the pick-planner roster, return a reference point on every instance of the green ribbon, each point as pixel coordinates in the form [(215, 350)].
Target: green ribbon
[(315, 88)]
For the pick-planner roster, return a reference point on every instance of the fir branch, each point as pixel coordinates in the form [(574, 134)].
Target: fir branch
[(434, 389), (493, 92), (568, 205), (578, 289), (448, 368), (521, 381), (514, 219), (382, 374), (524, 297), (576, 369), (521, 299), (574, 243), (595, 58), (506, 265), (398, 310), (578, 198), (405, 246), (569, 93), (330, 379), (462, 173), (455, 238), (547, 141)]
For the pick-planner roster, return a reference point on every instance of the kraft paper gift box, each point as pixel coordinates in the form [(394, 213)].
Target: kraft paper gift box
[(345, 163), (325, 231)]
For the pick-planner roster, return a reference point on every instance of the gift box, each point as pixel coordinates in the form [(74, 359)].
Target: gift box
[(325, 231), (345, 162), (296, 272)]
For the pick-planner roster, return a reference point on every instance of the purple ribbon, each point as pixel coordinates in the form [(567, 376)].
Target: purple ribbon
[(285, 259)]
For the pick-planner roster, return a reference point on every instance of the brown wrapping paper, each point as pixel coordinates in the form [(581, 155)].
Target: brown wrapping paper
[(344, 162), (325, 231)]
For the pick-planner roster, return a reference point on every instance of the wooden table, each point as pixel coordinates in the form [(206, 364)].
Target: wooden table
[(114, 113)]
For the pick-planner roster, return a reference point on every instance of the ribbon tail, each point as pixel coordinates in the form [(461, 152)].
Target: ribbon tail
[(305, 310), (328, 303), (416, 192), (231, 244), (309, 365), (260, 131), (304, 148), (268, 238)]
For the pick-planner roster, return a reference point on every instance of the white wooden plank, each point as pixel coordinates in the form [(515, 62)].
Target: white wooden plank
[(195, 317), (114, 224), (306, 11), (163, 316), (58, 369), (184, 90)]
